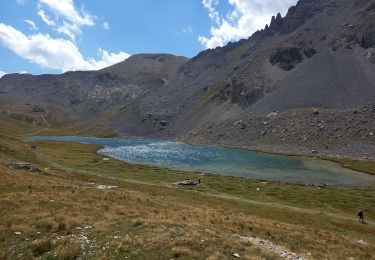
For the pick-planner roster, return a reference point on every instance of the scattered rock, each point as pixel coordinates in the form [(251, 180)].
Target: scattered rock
[(188, 182), (17, 233), (263, 133), (273, 114), (163, 123), (362, 242), (106, 187), (38, 109), (236, 255), (371, 56), (309, 52), (269, 246), (23, 166)]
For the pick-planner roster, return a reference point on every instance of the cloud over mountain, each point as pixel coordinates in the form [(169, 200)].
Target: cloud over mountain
[(54, 53), (246, 17)]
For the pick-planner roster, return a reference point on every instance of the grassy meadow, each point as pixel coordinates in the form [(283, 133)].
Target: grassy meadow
[(61, 213)]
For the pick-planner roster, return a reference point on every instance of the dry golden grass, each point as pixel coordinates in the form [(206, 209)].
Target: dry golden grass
[(41, 246), (68, 250), (142, 221), (60, 215)]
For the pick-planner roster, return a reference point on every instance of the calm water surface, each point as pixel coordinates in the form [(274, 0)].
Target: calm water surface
[(218, 160)]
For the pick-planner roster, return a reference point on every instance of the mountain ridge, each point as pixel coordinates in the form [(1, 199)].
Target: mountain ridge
[(320, 55)]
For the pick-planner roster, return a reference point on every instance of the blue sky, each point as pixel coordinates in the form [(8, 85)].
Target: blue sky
[(53, 36)]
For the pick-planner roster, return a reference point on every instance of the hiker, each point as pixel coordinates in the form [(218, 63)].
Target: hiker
[(33, 147), (361, 216)]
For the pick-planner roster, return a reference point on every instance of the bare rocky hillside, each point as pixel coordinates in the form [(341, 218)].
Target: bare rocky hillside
[(321, 55)]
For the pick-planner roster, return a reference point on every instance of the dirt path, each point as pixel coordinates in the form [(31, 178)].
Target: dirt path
[(271, 247), (276, 205), (34, 133)]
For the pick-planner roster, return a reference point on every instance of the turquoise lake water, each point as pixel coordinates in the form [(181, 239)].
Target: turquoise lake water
[(225, 161)]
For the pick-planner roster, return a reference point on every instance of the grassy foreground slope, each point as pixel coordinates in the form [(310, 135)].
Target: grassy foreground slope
[(61, 213)]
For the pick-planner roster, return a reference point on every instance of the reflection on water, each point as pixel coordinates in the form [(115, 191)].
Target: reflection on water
[(210, 159)]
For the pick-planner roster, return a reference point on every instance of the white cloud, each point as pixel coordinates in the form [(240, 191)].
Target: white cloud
[(107, 59), (106, 25), (66, 18), (33, 27), (2, 73), (246, 17), (66, 9), (46, 18), (210, 6), (23, 72), (187, 30), (54, 53), (20, 2)]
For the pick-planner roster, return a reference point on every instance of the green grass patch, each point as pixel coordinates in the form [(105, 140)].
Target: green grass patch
[(214, 91), (366, 166), (338, 200)]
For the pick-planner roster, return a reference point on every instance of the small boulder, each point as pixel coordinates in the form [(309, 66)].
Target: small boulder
[(38, 109), (237, 255), (273, 114), (163, 122)]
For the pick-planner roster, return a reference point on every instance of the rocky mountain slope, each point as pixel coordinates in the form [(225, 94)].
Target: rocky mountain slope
[(320, 55), (88, 94)]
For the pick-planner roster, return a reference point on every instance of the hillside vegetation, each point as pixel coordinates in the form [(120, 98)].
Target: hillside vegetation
[(71, 209)]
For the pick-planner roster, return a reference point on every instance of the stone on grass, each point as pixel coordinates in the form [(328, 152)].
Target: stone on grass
[(23, 166), (236, 255), (188, 182)]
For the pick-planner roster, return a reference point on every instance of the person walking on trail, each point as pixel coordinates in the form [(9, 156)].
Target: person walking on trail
[(361, 216)]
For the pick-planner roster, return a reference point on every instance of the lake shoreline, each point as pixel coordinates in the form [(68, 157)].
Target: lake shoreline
[(261, 166)]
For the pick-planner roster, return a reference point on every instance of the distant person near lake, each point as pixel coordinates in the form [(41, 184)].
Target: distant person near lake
[(361, 216)]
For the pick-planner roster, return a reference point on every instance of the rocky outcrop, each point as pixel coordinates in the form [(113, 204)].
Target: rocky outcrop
[(31, 119), (286, 58), (23, 166), (366, 36), (240, 92), (371, 56), (297, 15), (309, 52)]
